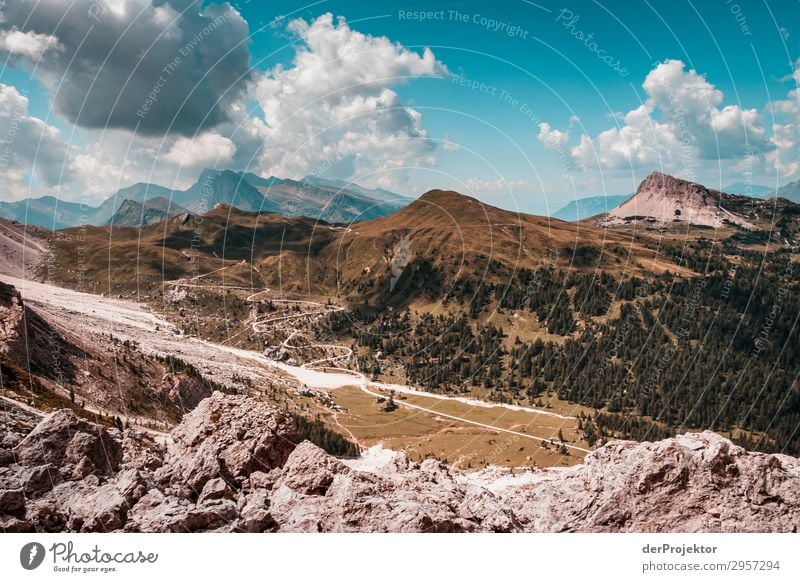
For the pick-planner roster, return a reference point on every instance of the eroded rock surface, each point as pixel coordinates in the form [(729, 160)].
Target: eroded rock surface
[(232, 465)]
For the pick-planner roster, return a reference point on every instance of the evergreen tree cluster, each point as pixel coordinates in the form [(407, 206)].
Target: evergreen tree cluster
[(328, 440), (653, 356)]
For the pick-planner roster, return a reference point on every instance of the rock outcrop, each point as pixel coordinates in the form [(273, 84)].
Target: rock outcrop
[(233, 465), (696, 482), (77, 447), (226, 437), (663, 199)]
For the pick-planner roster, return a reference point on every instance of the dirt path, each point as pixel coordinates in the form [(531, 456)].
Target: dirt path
[(127, 320), (366, 389)]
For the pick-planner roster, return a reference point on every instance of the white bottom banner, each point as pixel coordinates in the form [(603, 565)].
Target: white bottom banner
[(401, 557)]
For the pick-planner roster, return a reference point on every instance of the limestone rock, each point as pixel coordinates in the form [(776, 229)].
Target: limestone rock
[(12, 502), (228, 437), (232, 465), (76, 446), (697, 482), (186, 391)]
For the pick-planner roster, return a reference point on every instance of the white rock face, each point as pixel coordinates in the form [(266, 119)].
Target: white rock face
[(663, 199), (233, 465)]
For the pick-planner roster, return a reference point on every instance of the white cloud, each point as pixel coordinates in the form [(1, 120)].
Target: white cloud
[(29, 146), (448, 145), (682, 122), (553, 139), (208, 149), (117, 158), (477, 185), (785, 159), (689, 104), (155, 67), (639, 141), (790, 107), (27, 44), (335, 104)]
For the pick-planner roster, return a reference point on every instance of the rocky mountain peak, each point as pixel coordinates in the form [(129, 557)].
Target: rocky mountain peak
[(663, 199)]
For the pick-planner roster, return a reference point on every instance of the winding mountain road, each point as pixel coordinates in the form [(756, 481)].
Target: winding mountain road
[(128, 320)]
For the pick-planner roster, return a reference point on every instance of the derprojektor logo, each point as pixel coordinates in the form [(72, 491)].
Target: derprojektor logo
[(31, 555)]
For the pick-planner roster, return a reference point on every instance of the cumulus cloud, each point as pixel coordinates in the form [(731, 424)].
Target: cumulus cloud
[(682, 122), (113, 159), (136, 64), (335, 104), (27, 44), (553, 139), (689, 103), (785, 159), (203, 150), (448, 145), (29, 147), (477, 185), (640, 141), (790, 107)]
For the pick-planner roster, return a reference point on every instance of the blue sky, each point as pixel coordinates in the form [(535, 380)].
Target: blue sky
[(524, 105)]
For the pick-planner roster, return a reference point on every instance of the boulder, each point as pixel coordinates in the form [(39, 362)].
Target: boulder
[(12, 502), (156, 512), (228, 437), (697, 482), (214, 489), (77, 447), (186, 391)]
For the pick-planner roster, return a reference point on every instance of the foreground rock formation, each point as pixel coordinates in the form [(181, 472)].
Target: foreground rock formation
[(233, 465)]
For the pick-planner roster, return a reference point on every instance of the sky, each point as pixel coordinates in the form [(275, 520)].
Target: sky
[(524, 105)]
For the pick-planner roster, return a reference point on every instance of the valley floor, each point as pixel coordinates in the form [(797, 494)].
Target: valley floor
[(464, 431)]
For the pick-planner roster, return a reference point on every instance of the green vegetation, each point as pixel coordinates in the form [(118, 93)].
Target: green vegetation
[(325, 438), (652, 357)]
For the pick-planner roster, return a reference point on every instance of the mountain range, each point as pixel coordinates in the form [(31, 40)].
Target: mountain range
[(587, 207), (333, 201), (790, 191), (447, 295)]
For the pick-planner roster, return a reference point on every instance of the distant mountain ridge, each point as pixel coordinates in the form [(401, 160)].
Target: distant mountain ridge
[(588, 207), (790, 191), (746, 189), (315, 197), (152, 211)]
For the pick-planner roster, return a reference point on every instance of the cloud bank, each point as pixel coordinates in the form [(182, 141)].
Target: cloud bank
[(154, 67)]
